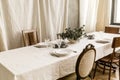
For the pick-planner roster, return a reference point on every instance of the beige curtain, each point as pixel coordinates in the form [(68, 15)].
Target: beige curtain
[(47, 16), (83, 12), (53, 17), (88, 14), (2, 41), (73, 13), (3, 45), (103, 15), (16, 16)]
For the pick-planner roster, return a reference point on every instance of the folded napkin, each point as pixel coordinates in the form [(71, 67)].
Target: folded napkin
[(60, 52), (40, 46), (102, 41)]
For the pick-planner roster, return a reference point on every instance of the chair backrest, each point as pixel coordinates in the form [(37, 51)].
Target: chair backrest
[(29, 37), (115, 43), (114, 30), (85, 62)]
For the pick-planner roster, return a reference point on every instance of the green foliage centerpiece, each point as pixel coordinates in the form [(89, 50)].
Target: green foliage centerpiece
[(73, 34)]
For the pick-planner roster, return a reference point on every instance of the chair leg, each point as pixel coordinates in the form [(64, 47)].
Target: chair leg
[(114, 69), (95, 69), (110, 70), (104, 68), (90, 76), (77, 78)]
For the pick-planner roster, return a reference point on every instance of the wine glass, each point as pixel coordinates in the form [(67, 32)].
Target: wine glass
[(59, 41), (47, 41)]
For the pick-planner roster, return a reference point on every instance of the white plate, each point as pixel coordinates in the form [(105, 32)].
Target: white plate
[(40, 46), (60, 52)]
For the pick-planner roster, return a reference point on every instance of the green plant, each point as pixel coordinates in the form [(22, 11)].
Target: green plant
[(73, 34)]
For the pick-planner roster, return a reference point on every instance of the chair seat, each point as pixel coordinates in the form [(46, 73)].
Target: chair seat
[(108, 58)]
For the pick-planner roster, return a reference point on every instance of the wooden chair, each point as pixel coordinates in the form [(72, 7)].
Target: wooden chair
[(85, 62), (111, 59), (29, 37), (114, 30)]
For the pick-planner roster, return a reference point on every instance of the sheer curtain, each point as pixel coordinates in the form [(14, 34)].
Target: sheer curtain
[(2, 41), (103, 15), (88, 14), (47, 16), (17, 15), (3, 45), (53, 17)]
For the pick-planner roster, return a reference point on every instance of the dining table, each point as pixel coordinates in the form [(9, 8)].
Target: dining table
[(43, 63)]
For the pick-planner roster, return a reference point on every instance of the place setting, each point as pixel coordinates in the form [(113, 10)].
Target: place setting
[(59, 48), (100, 40), (60, 52)]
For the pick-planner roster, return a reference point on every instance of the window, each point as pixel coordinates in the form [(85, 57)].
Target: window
[(115, 16)]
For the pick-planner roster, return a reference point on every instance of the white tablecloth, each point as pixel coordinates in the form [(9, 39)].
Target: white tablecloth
[(31, 63)]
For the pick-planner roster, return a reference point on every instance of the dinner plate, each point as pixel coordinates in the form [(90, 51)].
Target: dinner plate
[(40, 46), (60, 52)]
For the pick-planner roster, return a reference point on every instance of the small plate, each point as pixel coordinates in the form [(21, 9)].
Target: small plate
[(60, 52), (40, 46)]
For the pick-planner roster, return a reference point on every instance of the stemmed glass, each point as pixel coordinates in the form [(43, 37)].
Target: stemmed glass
[(47, 41), (59, 41)]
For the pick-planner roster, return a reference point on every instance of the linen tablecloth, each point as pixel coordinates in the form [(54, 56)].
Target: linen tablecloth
[(31, 63)]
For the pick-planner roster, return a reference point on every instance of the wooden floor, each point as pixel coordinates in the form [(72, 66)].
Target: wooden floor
[(99, 76)]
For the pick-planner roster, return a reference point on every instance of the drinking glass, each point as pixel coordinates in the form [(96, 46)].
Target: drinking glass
[(59, 41), (47, 41)]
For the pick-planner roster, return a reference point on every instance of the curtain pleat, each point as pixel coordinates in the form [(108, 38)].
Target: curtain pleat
[(53, 17), (48, 17), (103, 15), (88, 14), (17, 15)]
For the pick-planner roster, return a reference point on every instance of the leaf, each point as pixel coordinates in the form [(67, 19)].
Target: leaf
[(73, 33)]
